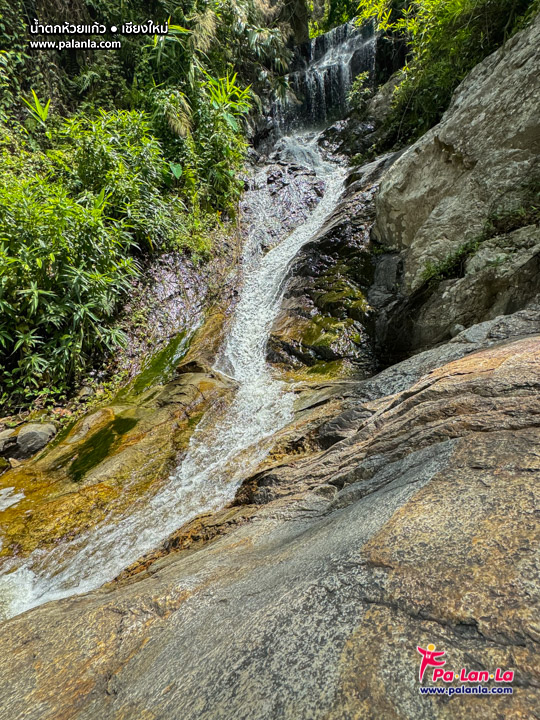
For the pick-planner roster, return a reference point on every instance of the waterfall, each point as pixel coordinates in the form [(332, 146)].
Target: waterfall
[(225, 447), (321, 76), (229, 443)]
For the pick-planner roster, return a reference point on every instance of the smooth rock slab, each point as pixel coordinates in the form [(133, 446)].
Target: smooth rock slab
[(314, 609)]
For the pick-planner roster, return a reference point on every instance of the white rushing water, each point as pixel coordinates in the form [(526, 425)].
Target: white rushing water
[(325, 71), (228, 443)]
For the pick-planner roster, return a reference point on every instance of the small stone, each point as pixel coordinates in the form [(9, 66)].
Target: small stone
[(14, 463), (86, 393), (33, 437)]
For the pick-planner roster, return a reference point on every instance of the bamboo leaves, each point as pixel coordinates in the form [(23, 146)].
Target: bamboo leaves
[(38, 111)]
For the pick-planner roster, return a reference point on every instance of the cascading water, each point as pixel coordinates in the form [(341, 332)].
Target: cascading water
[(322, 75), (223, 449), (229, 442)]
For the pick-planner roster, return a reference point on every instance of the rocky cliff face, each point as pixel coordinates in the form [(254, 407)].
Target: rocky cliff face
[(456, 208)]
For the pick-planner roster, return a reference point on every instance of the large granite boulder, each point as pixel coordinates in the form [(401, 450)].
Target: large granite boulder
[(440, 193), (457, 222), (418, 529)]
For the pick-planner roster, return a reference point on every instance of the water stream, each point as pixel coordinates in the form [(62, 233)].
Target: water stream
[(226, 445), (229, 442), (322, 74)]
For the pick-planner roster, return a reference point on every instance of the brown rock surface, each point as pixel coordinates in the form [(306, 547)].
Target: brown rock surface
[(314, 607), (104, 463)]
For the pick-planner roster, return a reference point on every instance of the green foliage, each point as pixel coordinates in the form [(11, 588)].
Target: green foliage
[(114, 160), (451, 266), (329, 14), (360, 92), (203, 139), (63, 269), (446, 39), (38, 111), (147, 159), (13, 56), (228, 99), (71, 220)]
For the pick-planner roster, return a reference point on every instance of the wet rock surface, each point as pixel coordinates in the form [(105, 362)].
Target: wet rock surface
[(419, 528), (103, 463), (172, 300), (281, 191), (324, 323)]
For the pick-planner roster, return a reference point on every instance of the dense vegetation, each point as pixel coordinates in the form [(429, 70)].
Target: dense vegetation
[(108, 156), (329, 14), (445, 39)]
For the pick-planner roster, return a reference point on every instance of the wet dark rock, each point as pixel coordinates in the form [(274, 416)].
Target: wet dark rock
[(280, 197), (25, 440), (325, 315)]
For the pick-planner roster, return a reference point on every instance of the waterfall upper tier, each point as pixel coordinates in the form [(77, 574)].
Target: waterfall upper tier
[(321, 76)]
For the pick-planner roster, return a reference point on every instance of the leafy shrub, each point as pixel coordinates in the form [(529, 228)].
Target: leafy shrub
[(330, 13), (71, 220), (113, 155), (203, 139), (360, 92), (63, 269), (216, 148), (446, 39), (148, 159)]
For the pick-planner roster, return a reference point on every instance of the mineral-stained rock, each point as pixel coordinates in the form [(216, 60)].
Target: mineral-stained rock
[(103, 464), (315, 607)]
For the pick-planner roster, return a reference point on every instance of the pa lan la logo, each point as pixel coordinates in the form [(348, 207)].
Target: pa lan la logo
[(433, 658)]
